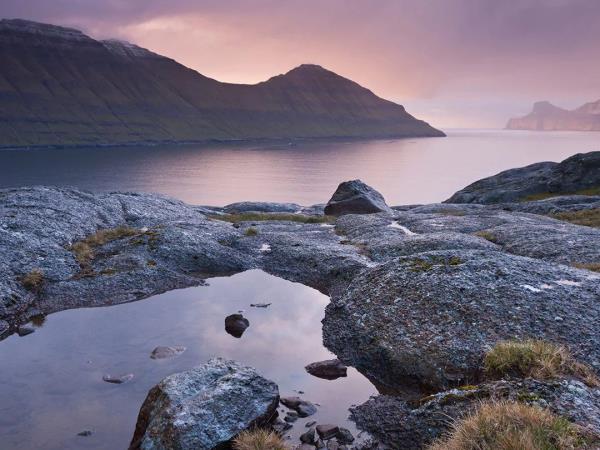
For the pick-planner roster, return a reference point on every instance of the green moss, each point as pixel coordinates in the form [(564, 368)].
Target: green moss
[(151, 263), (425, 265), (262, 217), (487, 235), (108, 271), (251, 232), (594, 267), (33, 280)]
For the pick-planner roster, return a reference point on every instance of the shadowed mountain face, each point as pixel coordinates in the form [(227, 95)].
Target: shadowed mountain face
[(61, 87), (546, 116)]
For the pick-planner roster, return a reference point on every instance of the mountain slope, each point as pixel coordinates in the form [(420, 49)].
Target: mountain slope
[(546, 116), (61, 87)]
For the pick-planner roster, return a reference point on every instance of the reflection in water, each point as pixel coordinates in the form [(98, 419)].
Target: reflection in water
[(51, 381), (405, 171)]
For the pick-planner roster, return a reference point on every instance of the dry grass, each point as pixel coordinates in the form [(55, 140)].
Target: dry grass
[(251, 232), (262, 217), (259, 439), (84, 249), (512, 426), (33, 280), (537, 359), (585, 217), (594, 267), (487, 235), (545, 195)]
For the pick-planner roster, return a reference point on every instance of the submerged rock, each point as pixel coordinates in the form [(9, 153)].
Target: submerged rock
[(236, 324), (303, 408), (118, 379), (163, 352), (355, 197), (25, 330), (204, 407), (330, 369), (327, 431)]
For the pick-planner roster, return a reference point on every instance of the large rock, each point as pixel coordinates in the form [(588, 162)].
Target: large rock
[(426, 320), (355, 197), (405, 426), (205, 407), (580, 172)]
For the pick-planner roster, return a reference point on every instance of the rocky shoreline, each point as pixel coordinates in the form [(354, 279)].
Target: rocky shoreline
[(418, 293)]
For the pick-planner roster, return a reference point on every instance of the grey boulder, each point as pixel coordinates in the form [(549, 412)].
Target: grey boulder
[(204, 407), (355, 197)]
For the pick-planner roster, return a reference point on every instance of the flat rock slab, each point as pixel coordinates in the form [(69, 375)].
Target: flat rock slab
[(163, 352), (204, 407), (430, 317), (118, 379)]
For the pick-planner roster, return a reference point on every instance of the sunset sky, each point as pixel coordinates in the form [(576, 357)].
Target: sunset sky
[(455, 63)]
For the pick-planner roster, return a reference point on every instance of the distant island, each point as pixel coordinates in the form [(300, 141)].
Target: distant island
[(59, 87), (547, 117)]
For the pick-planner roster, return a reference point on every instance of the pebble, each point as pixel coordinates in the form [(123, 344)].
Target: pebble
[(118, 379)]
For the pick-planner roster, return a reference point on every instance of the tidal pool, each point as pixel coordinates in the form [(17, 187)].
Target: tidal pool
[(51, 381)]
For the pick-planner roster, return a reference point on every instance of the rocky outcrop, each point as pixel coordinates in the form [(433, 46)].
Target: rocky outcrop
[(60, 87), (547, 117), (412, 426), (205, 407), (355, 197), (578, 174)]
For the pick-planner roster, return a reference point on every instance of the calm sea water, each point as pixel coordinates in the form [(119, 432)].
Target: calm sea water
[(51, 381), (405, 171)]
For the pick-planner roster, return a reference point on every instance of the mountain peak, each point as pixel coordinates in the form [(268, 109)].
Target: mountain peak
[(22, 26), (545, 107)]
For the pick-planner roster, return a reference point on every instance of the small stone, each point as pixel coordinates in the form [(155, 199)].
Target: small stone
[(162, 352), (118, 379), (24, 330), (344, 436), (280, 426), (308, 437), (85, 433), (327, 431), (330, 369), (306, 409), (311, 423), (290, 402), (260, 305), (305, 447), (236, 324), (319, 443), (333, 445)]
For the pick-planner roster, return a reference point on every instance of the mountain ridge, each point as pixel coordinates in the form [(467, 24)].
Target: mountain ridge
[(60, 87), (548, 117)]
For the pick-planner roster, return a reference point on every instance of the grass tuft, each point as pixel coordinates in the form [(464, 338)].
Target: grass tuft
[(262, 217), (84, 249), (33, 280), (545, 195), (512, 426), (487, 235), (585, 217), (251, 231), (537, 359), (259, 439)]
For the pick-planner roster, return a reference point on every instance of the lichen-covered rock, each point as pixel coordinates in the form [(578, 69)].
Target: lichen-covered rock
[(426, 320), (406, 425), (580, 172), (205, 407), (355, 197)]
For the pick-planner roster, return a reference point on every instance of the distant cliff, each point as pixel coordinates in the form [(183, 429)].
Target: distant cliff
[(61, 87), (546, 116)]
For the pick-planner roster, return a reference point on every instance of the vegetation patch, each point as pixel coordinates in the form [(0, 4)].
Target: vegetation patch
[(425, 265), (251, 232), (544, 195), (85, 250), (487, 235), (585, 217), (537, 359), (262, 217), (33, 280), (259, 439), (512, 426), (594, 267)]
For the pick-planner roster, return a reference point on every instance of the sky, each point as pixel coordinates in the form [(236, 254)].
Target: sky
[(454, 63)]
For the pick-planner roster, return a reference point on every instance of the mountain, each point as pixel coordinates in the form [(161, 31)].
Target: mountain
[(60, 87), (546, 116)]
